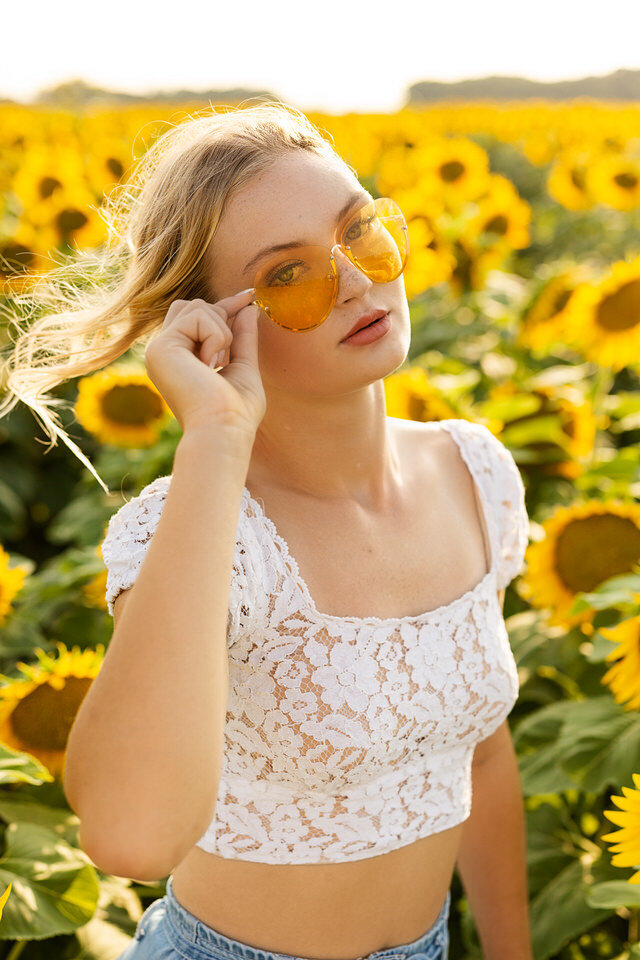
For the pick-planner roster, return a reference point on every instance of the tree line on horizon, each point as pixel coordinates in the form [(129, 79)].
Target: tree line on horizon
[(620, 85)]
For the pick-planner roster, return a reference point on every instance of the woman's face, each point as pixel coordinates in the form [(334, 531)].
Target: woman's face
[(300, 198)]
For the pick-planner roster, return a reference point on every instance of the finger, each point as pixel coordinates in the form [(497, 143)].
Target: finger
[(245, 335), (244, 294), (226, 317), (229, 306), (175, 308), (201, 330), (223, 319), (224, 311)]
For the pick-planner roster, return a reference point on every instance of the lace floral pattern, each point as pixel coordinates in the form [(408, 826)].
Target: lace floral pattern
[(347, 737)]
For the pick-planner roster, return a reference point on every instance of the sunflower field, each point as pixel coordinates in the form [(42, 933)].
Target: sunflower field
[(524, 286)]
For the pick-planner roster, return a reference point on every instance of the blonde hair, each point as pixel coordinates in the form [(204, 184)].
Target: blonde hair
[(96, 305)]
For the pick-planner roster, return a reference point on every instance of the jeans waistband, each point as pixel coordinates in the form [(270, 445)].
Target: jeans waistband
[(193, 938)]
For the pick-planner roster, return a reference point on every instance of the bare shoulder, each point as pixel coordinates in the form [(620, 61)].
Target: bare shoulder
[(427, 444), (433, 459), (415, 428)]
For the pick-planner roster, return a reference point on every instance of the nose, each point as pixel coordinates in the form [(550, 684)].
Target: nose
[(351, 280)]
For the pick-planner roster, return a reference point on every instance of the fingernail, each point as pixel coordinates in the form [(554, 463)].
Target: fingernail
[(246, 291)]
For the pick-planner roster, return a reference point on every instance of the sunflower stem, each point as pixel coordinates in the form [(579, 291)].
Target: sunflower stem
[(602, 383), (17, 949)]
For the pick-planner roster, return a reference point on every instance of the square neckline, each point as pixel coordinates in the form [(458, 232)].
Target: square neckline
[(488, 577)]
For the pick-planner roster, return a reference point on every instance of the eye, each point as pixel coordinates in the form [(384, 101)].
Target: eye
[(282, 274), (363, 225)]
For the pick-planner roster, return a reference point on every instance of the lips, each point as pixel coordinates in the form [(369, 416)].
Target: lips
[(365, 320)]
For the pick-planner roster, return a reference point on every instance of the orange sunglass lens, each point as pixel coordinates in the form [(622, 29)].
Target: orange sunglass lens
[(297, 290), (377, 240)]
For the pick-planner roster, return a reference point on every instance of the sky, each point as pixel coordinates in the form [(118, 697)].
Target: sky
[(326, 56)]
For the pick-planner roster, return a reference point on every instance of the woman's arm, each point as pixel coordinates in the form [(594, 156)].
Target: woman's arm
[(145, 751), (492, 860)]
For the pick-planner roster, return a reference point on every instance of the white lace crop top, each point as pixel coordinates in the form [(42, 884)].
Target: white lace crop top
[(348, 737)]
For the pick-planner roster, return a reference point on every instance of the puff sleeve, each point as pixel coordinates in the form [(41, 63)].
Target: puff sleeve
[(128, 534), (508, 500)]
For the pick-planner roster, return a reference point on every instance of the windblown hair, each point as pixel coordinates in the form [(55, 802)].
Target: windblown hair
[(96, 304)]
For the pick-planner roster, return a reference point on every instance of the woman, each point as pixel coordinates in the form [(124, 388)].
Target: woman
[(309, 657)]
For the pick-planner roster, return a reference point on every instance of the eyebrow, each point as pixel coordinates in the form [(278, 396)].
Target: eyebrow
[(297, 243)]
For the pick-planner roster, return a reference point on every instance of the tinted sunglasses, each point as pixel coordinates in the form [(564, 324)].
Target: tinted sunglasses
[(299, 292)]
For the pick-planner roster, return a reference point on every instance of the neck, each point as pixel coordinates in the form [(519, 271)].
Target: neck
[(336, 448)]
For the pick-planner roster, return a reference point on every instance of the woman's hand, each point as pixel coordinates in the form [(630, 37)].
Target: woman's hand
[(204, 362)]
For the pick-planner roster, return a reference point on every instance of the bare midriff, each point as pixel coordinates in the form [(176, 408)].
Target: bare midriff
[(323, 911)]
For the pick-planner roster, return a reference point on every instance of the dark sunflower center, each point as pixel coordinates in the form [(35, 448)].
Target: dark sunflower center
[(416, 406), (578, 178), (620, 310), (131, 404), (47, 185), (17, 256), (115, 167), (591, 549), (44, 717), (70, 219), (561, 300), (497, 224), (626, 180), (451, 170)]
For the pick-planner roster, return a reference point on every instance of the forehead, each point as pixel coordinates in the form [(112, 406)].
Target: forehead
[(296, 186), (296, 197)]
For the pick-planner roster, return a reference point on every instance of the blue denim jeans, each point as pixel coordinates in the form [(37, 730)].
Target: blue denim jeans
[(166, 931)]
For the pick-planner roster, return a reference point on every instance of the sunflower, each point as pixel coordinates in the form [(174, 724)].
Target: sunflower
[(623, 677), (584, 545), (25, 250), (539, 146), (120, 405), (431, 259), (567, 180), (43, 172), (627, 839), (11, 581), (410, 395), (458, 168), (579, 424), (356, 139), (614, 179), (561, 423), (398, 168), (543, 320), (415, 201), (72, 217), (107, 161), (473, 266), (36, 714), (602, 319), (502, 218)]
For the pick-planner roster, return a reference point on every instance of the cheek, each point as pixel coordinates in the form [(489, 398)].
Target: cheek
[(285, 353)]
